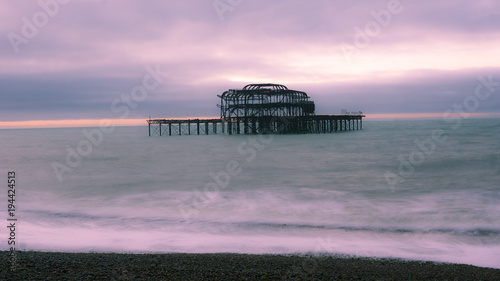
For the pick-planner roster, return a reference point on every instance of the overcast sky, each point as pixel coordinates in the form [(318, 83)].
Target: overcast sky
[(82, 59)]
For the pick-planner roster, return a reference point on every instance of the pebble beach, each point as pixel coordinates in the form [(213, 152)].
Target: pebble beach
[(112, 266)]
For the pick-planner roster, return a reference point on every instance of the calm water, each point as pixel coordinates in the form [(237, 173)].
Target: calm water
[(374, 192)]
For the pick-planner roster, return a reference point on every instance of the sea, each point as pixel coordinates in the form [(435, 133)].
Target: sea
[(410, 189)]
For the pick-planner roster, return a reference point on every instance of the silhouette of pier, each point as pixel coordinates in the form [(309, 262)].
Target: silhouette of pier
[(260, 109)]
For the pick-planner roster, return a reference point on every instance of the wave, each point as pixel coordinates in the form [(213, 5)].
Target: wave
[(477, 232), (199, 225)]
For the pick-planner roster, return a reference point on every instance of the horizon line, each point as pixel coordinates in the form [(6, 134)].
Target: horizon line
[(82, 123)]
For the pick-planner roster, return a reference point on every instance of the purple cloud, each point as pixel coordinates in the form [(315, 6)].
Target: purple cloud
[(88, 52)]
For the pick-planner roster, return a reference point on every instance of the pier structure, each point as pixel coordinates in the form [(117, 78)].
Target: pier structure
[(260, 109)]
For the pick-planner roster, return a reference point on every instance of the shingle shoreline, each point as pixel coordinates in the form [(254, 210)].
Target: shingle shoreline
[(112, 266)]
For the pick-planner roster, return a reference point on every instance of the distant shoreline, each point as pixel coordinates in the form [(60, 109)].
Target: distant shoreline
[(177, 266)]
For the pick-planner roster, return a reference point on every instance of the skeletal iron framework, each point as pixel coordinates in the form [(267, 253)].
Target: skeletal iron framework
[(258, 100), (261, 108)]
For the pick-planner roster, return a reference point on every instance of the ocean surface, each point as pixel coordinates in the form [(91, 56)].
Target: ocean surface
[(411, 189)]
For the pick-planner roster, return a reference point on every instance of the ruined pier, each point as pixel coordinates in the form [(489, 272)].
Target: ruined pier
[(260, 109)]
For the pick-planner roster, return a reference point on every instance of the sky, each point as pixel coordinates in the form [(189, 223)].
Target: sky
[(132, 60)]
